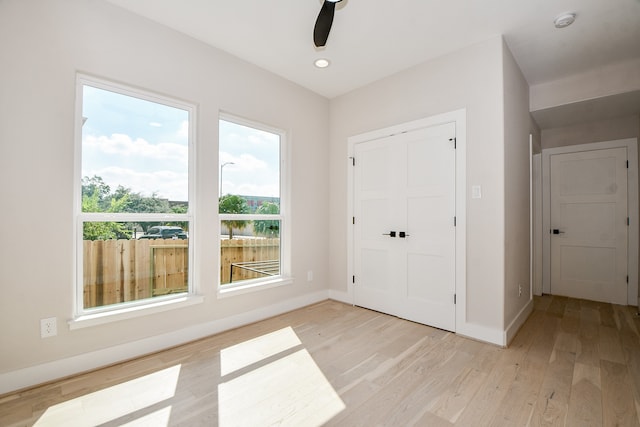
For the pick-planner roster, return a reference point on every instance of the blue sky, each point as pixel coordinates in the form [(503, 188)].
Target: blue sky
[(143, 145)]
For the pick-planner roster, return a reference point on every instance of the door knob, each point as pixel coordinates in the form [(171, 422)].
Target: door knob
[(390, 234), (556, 231), (403, 234)]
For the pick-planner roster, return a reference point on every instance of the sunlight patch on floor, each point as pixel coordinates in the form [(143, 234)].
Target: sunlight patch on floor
[(252, 351), (288, 390), (154, 419), (116, 401)]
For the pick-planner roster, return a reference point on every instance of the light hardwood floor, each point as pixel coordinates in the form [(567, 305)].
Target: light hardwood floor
[(573, 363)]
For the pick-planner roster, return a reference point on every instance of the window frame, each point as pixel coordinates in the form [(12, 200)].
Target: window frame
[(98, 315), (285, 276)]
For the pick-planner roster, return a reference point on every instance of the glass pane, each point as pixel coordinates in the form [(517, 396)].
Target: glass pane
[(134, 154), (249, 250), (125, 262), (249, 166)]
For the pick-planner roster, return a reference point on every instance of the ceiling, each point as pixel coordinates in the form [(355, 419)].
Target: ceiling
[(371, 39)]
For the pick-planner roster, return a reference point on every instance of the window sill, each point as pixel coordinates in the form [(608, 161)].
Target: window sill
[(255, 286), (124, 313)]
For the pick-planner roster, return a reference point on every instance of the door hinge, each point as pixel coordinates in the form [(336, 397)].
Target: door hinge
[(353, 161), (353, 219), (627, 279), (627, 164), (454, 298), (455, 142), (353, 279), (455, 221)]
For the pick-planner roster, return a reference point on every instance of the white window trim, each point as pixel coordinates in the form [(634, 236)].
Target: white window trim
[(285, 278), (134, 309), (99, 315)]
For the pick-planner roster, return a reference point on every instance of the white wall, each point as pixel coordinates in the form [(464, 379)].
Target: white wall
[(517, 127), (42, 45), (470, 78)]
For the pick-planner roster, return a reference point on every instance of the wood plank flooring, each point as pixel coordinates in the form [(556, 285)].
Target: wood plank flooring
[(573, 363)]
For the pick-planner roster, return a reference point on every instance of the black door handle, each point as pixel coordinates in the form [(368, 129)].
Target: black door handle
[(556, 231), (391, 234), (403, 235)]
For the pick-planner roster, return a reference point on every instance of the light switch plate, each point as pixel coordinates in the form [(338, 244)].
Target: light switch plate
[(476, 192)]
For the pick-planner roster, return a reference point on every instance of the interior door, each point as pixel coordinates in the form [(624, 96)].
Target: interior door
[(404, 236), (589, 223)]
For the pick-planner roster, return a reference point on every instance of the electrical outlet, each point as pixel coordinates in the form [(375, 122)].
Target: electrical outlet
[(48, 327), (519, 289), (310, 276)]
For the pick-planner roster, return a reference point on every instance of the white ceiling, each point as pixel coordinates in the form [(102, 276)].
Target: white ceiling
[(371, 39)]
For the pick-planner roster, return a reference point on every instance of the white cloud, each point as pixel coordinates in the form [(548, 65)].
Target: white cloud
[(123, 145), (242, 163), (155, 124), (260, 138)]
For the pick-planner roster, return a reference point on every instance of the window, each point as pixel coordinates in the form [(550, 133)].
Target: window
[(251, 204), (133, 197)]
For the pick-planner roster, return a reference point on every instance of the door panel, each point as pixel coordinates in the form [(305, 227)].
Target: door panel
[(430, 212), (374, 258), (589, 212), (375, 264), (406, 183)]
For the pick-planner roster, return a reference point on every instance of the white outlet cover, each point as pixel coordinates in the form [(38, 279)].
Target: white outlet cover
[(48, 327)]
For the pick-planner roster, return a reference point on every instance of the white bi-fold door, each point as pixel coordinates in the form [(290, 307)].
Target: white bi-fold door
[(404, 225)]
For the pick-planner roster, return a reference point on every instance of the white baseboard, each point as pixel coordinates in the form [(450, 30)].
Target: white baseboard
[(481, 333), (34, 375), (519, 320), (340, 296)]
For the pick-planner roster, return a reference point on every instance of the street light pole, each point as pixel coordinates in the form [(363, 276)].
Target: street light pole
[(222, 167)]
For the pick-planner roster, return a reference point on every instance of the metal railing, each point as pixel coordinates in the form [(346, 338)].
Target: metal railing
[(267, 268)]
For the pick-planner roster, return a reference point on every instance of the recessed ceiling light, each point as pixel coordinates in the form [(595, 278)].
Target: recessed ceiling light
[(321, 63), (564, 20)]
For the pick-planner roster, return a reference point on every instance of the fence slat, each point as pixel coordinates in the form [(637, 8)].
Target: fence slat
[(116, 271)]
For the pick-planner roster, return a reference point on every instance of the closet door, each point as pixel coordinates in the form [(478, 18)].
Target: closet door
[(404, 236)]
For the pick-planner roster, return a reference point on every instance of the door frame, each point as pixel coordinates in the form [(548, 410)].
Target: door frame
[(459, 118), (631, 144)]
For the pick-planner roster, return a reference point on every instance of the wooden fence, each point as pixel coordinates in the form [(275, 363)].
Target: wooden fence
[(118, 271), (245, 250), (128, 270)]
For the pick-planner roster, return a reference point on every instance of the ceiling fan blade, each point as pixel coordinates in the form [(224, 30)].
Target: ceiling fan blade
[(323, 23)]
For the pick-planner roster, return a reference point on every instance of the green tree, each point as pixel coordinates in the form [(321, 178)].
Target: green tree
[(140, 204), (96, 187), (136, 203), (180, 208), (268, 228), (233, 204), (102, 230), (97, 197)]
